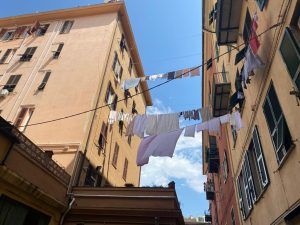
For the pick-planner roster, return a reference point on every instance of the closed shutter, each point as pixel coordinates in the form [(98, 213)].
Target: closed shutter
[(115, 157), (240, 55), (260, 158), (58, 51), (2, 32), (107, 92), (125, 169), (247, 27), (12, 82), (6, 54)]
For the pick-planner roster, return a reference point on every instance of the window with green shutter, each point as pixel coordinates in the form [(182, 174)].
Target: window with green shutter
[(290, 52)]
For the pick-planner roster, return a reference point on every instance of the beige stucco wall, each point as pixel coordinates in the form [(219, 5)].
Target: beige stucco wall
[(283, 189), (79, 75)]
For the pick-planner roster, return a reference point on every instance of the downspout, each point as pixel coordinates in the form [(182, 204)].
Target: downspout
[(68, 209)]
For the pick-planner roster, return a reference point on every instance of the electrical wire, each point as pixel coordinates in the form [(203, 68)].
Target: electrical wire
[(149, 89)]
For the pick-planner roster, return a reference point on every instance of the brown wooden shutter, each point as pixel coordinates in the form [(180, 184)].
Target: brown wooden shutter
[(21, 117), (4, 57), (125, 169), (2, 32)]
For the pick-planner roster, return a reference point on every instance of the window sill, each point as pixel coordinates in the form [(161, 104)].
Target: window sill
[(285, 157)]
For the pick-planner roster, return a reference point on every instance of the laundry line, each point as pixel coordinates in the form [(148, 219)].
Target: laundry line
[(178, 74), (164, 144)]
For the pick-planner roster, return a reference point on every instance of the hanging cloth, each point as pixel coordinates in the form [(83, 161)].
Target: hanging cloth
[(130, 83), (254, 42), (157, 145), (190, 131)]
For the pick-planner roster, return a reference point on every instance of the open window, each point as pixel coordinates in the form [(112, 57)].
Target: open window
[(117, 68), (7, 56), (12, 82), (57, 52), (44, 81), (28, 54), (23, 118), (42, 29)]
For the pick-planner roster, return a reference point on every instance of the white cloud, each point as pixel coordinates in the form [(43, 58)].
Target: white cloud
[(158, 108)]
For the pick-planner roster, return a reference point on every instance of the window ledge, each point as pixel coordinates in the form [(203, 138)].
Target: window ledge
[(285, 157)]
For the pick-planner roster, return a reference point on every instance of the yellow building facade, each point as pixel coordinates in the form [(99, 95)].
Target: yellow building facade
[(265, 153), (60, 63)]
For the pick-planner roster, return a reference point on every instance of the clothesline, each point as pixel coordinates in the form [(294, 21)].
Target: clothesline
[(192, 114), (133, 82), (163, 144)]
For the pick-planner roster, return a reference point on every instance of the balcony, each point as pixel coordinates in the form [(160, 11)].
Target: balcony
[(126, 205), (213, 160), (209, 190), (221, 93), (22, 160), (228, 20), (207, 217)]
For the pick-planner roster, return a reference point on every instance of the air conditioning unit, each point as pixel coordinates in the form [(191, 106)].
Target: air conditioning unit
[(4, 92)]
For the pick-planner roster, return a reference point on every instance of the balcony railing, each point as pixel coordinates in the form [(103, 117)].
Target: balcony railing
[(207, 217), (213, 160), (210, 190), (228, 21), (36, 154), (221, 93)]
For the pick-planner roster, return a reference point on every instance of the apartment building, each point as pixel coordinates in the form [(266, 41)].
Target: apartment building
[(262, 157), (55, 68)]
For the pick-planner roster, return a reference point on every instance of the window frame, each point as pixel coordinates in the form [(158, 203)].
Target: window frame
[(9, 37), (276, 125), (261, 4), (117, 68), (12, 82), (26, 112), (66, 27), (28, 54), (42, 30), (41, 87), (289, 35), (125, 169), (56, 53)]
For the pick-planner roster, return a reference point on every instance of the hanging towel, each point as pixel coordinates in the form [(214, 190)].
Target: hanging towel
[(186, 73), (151, 125), (130, 83), (178, 74), (202, 126), (112, 117), (195, 72), (171, 75), (190, 131), (238, 120), (167, 123), (252, 62), (225, 119), (254, 42), (157, 145), (139, 125), (129, 129), (214, 125)]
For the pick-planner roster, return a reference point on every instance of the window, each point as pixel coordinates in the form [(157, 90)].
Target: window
[(290, 52), (279, 131), (208, 64), (13, 212), (126, 95), (103, 136), (42, 29), (23, 118), (28, 54), (92, 178), (66, 27), (253, 178), (261, 4), (44, 81), (9, 35), (130, 66), (240, 55), (115, 156), (247, 27), (125, 169), (12, 82), (212, 142), (109, 94), (129, 139), (113, 106), (232, 217), (217, 51), (58, 51), (123, 44), (117, 68), (234, 134), (225, 167), (133, 110), (7, 56), (121, 126)]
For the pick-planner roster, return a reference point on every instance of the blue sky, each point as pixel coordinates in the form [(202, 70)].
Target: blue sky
[(168, 35)]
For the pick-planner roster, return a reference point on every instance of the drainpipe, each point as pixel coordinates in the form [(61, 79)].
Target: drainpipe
[(68, 209)]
